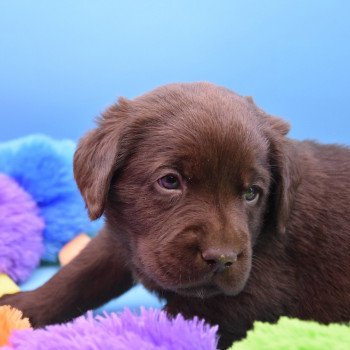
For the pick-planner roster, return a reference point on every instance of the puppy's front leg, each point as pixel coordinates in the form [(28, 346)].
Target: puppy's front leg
[(96, 275)]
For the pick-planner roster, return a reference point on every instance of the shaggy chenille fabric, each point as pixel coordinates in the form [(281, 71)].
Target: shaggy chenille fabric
[(152, 330), (293, 334), (44, 168), (21, 231)]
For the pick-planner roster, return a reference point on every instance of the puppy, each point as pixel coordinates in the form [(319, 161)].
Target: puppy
[(208, 204)]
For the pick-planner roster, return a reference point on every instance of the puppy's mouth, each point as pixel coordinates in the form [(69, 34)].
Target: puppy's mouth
[(208, 288), (202, 292), (208, 291)]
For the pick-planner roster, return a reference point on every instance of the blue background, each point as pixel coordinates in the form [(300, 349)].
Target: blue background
[(63, 62)]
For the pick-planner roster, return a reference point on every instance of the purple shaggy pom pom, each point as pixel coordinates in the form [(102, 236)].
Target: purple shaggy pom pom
[(21, 231), (150, 330)]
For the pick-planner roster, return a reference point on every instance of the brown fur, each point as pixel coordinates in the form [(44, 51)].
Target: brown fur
[(291, 246)]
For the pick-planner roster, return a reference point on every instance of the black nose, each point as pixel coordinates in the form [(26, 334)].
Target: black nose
[(219, 259)]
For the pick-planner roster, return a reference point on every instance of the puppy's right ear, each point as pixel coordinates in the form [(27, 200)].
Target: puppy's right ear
[(96, 158)]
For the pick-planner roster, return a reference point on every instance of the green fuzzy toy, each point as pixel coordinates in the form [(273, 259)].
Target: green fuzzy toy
[(293, 334)]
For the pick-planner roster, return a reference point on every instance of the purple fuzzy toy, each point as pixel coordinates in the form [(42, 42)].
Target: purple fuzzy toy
[(21, 231), (152, 330)]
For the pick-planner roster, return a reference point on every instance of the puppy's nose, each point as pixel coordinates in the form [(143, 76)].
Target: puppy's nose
[(219, 259)]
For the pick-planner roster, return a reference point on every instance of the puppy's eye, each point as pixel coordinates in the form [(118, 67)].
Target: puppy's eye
[(170, 182), (251, 194)]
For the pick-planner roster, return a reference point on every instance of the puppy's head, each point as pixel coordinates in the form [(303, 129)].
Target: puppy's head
[(187, 176)]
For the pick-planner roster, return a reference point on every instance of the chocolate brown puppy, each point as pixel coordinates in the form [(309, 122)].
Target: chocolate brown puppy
[(209, 204)]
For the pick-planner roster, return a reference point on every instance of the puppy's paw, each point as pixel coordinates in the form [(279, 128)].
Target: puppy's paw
[(25, 302)]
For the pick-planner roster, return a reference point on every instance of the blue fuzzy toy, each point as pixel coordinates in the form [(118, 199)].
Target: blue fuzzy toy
[(43, 167)]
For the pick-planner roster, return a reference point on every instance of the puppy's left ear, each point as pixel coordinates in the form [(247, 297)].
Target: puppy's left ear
[(285, 172), (98, 156), (280, 126)]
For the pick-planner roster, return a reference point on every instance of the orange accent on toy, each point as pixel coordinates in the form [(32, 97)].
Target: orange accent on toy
[(11, 319), (73, 248)]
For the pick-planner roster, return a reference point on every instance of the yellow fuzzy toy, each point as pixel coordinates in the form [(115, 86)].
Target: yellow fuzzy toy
[(7, 286), (11, 319)]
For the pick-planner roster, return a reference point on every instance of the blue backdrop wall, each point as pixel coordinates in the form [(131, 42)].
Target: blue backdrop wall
[(62, 62)]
